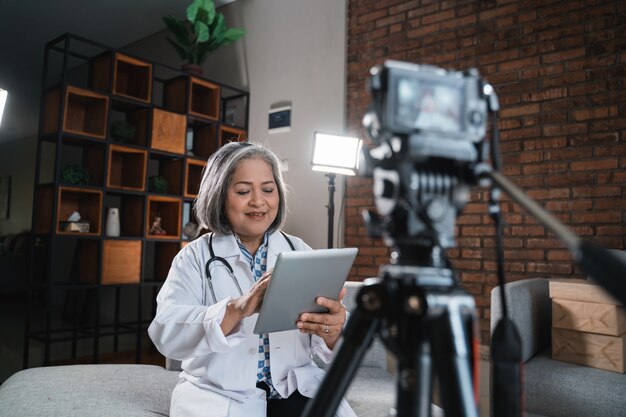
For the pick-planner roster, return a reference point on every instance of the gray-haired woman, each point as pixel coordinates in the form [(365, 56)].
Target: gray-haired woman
[(206, 307)]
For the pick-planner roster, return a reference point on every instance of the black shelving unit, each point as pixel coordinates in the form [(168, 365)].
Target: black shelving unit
[(91, 294)]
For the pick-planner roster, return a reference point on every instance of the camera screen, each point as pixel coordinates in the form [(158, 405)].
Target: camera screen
[(432, 106)]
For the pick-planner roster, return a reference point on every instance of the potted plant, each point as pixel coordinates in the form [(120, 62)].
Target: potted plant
[(204, 31)]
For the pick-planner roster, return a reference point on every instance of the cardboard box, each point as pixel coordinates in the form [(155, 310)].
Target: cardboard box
[(580, 290), (589, 349), (588, 325), (598, 318)]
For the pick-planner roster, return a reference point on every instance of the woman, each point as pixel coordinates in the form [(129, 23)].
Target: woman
[(207, 306)]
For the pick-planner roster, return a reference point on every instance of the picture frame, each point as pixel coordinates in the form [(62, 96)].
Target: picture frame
[(5, 197)]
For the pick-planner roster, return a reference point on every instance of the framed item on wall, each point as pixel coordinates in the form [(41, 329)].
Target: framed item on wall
[(5, 196)]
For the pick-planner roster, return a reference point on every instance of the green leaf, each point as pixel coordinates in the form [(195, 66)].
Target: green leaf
[(182, 53), (201, 10), (179, 29), (202, 32), (233, 34), (218, 28)]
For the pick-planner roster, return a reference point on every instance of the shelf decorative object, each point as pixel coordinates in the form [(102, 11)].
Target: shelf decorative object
[(202, 32), (113, 222), (122, 131), (157, 184), (75, 175)]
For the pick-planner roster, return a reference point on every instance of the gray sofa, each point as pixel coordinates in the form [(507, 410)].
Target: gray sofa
[(144, 390), (554, 388)]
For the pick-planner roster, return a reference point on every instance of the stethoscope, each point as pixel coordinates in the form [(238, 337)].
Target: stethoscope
[(227, 265)]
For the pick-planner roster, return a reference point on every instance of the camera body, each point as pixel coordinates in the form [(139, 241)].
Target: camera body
[(443, 112), (428, 125)]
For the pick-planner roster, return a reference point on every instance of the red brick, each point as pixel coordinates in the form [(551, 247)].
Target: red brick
[(594, 165)]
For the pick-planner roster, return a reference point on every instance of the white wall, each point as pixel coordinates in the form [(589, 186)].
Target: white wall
[(17, 159), (294, 50)]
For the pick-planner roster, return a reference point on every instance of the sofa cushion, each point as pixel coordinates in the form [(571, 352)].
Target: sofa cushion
[(88, 390), (561, 389), (373, 392)]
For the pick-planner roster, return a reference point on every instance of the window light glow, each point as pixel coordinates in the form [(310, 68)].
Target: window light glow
[(3, 100)]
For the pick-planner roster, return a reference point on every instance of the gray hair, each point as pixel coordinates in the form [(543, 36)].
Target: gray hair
[(209, 205)]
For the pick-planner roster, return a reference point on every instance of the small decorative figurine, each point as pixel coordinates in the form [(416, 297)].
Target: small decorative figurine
[(156, 228)]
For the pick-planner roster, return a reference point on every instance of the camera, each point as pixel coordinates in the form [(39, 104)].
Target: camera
[(428, 126)]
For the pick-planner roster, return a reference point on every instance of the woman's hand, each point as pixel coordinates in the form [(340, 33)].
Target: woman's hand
[(246, 305), (328, 326)]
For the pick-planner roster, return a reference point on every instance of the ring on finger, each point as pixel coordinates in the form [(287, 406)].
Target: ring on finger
[(326, 329)]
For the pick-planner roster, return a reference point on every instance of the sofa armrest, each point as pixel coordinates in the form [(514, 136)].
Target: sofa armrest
[(530, 310)]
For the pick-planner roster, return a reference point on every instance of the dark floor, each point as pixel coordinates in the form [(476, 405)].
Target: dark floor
[(12, 334), (12, 313)]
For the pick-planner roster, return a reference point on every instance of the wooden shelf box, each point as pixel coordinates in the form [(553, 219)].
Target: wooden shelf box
[(127, 168), (131, 212), (136, 117), (85, 112), (169, 209), (43, 203), (193, 176), (204, 140), (588, 325), (86, 202), (164, 254), (169, 131), (132, 78), (171, 169), (121, 261), (88, 154), (232, 134), (198, 97)]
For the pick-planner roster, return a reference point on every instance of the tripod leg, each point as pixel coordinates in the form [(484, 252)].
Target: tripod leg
[(414, 389), (358, 336), (452, 343)]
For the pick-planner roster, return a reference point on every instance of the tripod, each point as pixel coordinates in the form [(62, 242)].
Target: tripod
[(424, 318)]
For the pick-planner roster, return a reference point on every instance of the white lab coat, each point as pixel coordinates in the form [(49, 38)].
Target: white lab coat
[(219, 372)]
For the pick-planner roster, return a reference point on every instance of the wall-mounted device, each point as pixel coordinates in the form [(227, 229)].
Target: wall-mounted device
[(280, 119)]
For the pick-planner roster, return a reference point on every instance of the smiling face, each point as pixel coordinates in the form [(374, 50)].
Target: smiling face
[(252, 201)]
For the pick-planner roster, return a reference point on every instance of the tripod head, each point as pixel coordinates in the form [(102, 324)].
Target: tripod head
[(428, 126)]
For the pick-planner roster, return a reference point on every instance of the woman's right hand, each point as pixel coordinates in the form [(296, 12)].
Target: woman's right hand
[(246, 305)]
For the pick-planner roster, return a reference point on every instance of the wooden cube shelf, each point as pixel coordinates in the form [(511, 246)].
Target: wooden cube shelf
[(88, 203), (169, 131), (164, 253), (44, 201), (232, 134), (85, 112), (131, 212), (193, 95), (204, 99), (204, 140), (193, 176), (87, 254), (121, 261), (137, 118), (127, 168), (132, 78), (170, 169), (88, 154), (169, 210)]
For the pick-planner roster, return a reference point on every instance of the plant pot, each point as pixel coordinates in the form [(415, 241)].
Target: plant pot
[(192, 69)]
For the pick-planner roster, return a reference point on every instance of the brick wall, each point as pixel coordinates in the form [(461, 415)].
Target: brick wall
[(558, 68)]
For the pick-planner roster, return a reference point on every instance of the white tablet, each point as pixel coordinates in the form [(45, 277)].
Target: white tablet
[(300, 277)]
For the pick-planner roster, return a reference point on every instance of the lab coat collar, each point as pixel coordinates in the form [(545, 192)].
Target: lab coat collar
[(226, 246)]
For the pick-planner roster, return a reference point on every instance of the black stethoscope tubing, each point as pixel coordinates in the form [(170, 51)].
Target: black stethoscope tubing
[(225, 263)]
